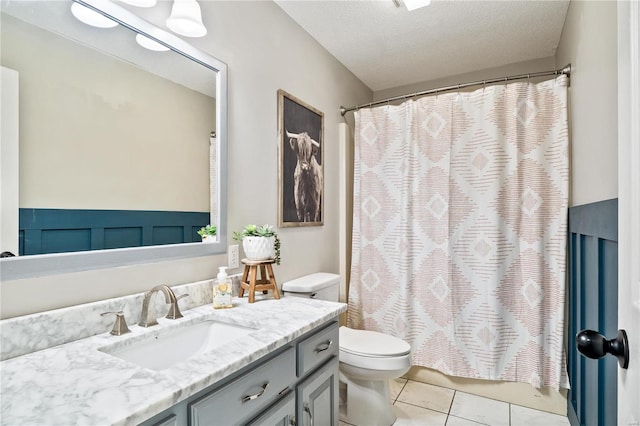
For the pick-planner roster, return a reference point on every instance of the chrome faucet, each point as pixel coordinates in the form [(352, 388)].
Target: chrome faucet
[(147, 317)]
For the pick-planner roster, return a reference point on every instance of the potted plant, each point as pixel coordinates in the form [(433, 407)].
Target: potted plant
[(259, 242), (208, 233)]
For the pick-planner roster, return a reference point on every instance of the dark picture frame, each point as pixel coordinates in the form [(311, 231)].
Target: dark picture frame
[(300, 163)]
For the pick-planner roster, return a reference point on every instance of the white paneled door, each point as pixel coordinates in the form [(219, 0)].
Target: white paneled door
[(629, 206)]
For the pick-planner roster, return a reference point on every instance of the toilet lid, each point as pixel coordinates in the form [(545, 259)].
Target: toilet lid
[(371, 343), (311, 283)]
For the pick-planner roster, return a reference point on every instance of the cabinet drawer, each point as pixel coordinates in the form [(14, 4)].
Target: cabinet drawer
[(244, 397), (317, 348), (282, 413)]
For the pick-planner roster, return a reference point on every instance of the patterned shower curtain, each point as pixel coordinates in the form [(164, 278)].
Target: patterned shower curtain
[(460, 215)]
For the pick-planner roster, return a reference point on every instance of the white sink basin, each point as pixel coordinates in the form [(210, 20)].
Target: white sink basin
[(165, 349)]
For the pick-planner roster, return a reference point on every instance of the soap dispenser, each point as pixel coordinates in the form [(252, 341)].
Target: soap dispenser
[(222, 290)]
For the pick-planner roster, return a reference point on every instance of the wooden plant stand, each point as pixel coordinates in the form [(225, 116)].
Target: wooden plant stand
[(251, 283)]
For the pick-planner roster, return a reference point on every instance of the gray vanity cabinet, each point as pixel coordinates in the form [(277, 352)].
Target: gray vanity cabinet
[(297, 384)]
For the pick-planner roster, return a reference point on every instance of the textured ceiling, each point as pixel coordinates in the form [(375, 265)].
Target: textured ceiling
[(387, 46)]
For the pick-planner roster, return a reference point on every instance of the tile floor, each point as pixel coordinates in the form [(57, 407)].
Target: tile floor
[(421, 404)]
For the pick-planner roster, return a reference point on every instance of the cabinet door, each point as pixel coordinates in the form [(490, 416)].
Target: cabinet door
[(172, 420), (174, 416), (317, 397), (280, 414)]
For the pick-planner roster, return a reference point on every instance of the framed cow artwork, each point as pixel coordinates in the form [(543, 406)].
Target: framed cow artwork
[(301, 163)]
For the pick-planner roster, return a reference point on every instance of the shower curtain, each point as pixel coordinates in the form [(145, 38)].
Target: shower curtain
[(459, 233)]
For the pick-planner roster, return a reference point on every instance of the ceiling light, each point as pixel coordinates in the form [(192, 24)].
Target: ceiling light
[(186, 19), (91, 17), (147, 43), (140, 3), (416, 4)]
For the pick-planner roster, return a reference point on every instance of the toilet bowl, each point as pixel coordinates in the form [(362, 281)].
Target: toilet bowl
[(367, 359)]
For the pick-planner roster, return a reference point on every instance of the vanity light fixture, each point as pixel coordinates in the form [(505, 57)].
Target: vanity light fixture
[(147, 43), (91, 17), (140, 3), (186, 19)]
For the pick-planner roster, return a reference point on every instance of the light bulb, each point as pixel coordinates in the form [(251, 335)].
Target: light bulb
[(91, 17), (140, 3), (186, 19), (147, 43)]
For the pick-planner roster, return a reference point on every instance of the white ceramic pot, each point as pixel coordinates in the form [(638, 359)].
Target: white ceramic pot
[(259, 248), (208, 238)]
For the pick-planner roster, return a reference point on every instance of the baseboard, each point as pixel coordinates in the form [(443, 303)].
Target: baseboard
[(545, 399)]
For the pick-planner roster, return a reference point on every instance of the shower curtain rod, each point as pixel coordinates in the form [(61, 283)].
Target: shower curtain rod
[(566, 70)]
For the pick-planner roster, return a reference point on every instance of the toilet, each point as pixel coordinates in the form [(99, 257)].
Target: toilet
[(367, 359)]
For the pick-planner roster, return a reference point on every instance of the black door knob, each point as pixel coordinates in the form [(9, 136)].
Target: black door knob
[(594, 345)]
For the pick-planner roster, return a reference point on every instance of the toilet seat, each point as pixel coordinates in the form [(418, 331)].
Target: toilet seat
[(372, 350)]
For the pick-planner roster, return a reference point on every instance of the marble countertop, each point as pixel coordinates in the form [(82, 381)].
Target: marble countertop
[(75, 383)]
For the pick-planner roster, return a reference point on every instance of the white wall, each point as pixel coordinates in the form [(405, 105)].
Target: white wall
[(589, 42), (534, 65), (265, 51)]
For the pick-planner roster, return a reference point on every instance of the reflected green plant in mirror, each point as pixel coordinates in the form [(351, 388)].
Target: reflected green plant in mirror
[(208, 231)]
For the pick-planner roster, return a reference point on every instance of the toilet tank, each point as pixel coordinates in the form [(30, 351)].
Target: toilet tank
[(321, 285)]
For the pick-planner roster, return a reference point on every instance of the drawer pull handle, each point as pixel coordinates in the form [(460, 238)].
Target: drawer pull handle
[(323, 346), (257, 395), (308, 411)]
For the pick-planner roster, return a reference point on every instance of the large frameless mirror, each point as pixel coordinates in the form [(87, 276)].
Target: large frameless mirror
[(122, 148)]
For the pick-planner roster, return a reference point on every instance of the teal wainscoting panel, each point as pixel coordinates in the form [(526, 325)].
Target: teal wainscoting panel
[(593, 304), (45, 231), (121, 237), (167, 234), (65, 240)]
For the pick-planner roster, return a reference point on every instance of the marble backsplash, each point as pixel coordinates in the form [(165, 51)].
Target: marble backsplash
[(42, 330)]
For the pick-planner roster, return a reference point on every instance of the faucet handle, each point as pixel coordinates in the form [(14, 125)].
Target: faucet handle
[(174, 309), (120, 326)]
